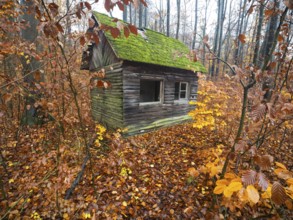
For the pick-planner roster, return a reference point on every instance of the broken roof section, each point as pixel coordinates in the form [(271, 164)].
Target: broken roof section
[(153, 48)]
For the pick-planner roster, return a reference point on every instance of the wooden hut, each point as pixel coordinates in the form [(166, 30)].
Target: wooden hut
[(152, 79)]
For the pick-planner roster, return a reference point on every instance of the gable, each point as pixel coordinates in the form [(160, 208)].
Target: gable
[(157, 49)]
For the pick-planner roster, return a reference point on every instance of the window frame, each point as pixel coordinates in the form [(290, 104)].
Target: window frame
[(161, 96), (180, 90)]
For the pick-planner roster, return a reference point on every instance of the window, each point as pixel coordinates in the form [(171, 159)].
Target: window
[(181, 90), (150, 91)]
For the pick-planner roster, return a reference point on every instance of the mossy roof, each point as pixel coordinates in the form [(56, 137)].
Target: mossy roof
[(157, 49)]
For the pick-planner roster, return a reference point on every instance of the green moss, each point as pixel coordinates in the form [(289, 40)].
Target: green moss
[(158, 49)]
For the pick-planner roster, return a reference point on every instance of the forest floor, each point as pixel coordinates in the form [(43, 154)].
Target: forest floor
[(149, 176)]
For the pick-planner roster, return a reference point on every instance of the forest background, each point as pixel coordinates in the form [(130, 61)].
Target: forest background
[(233, 161)]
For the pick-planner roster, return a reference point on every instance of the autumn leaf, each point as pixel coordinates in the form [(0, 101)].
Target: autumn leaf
[(280, 38), (82, 40), (88, 5), (281, 165), (132, 29), (59, 27), (278, 193), (192, 172), (54, 9), (120, 6), (242, 38), (115, 32), (219, 189), (6, 97), (234, 186), (249, 177), (267, 194), (262, 181), (252, 194), (126, 32)]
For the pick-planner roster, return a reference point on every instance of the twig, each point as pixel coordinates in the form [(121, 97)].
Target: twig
[(77, 179)]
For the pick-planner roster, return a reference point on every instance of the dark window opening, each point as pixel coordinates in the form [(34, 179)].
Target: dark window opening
[(180, 90), (150, 91)]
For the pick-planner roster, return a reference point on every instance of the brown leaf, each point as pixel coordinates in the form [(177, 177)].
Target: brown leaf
[(126, 32), (100, 84), (250, 10), (249, 177), (144, 3), (132, 29), (269, 12), (78, 14), (242, 38), (120, 6), (59, 27), (258, 112), (262, 181), (6, 97), (37, 76), (265, 162), (108, 5), (88, 5), (278, 193), (280, 38), (95, 37), (82, 40), (91, 22), (115, 32), (54, 9)]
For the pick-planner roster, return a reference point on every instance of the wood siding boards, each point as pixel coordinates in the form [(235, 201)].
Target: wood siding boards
[(107, 104), (102, 54), (136, 116)]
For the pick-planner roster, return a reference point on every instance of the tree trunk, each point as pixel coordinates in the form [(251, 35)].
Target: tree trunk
[(258, 35), (30, 65), (195, 24), (270, 35), (124, 13), (178, 19), (168, 18), (140, 15), (216, 38), (130, 14), (239, 30)]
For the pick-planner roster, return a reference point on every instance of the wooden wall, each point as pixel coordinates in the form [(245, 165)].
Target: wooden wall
[(107, 104), (136, 115)]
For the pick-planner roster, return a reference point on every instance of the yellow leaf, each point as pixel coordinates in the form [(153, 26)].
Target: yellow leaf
[(281, 165), (227, 193), (124, 203), (252, 193), (220, 189), (267, 194), (214, 170), (65, 216), (11, 181), (243, 195), (222, 182), (238, 179), (230, 176), (289, 181), (235, 186)]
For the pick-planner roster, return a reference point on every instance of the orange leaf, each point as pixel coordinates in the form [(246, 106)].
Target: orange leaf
[(280, 38), (192, 172), (82, 40), (242, 38), (219, 189)]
